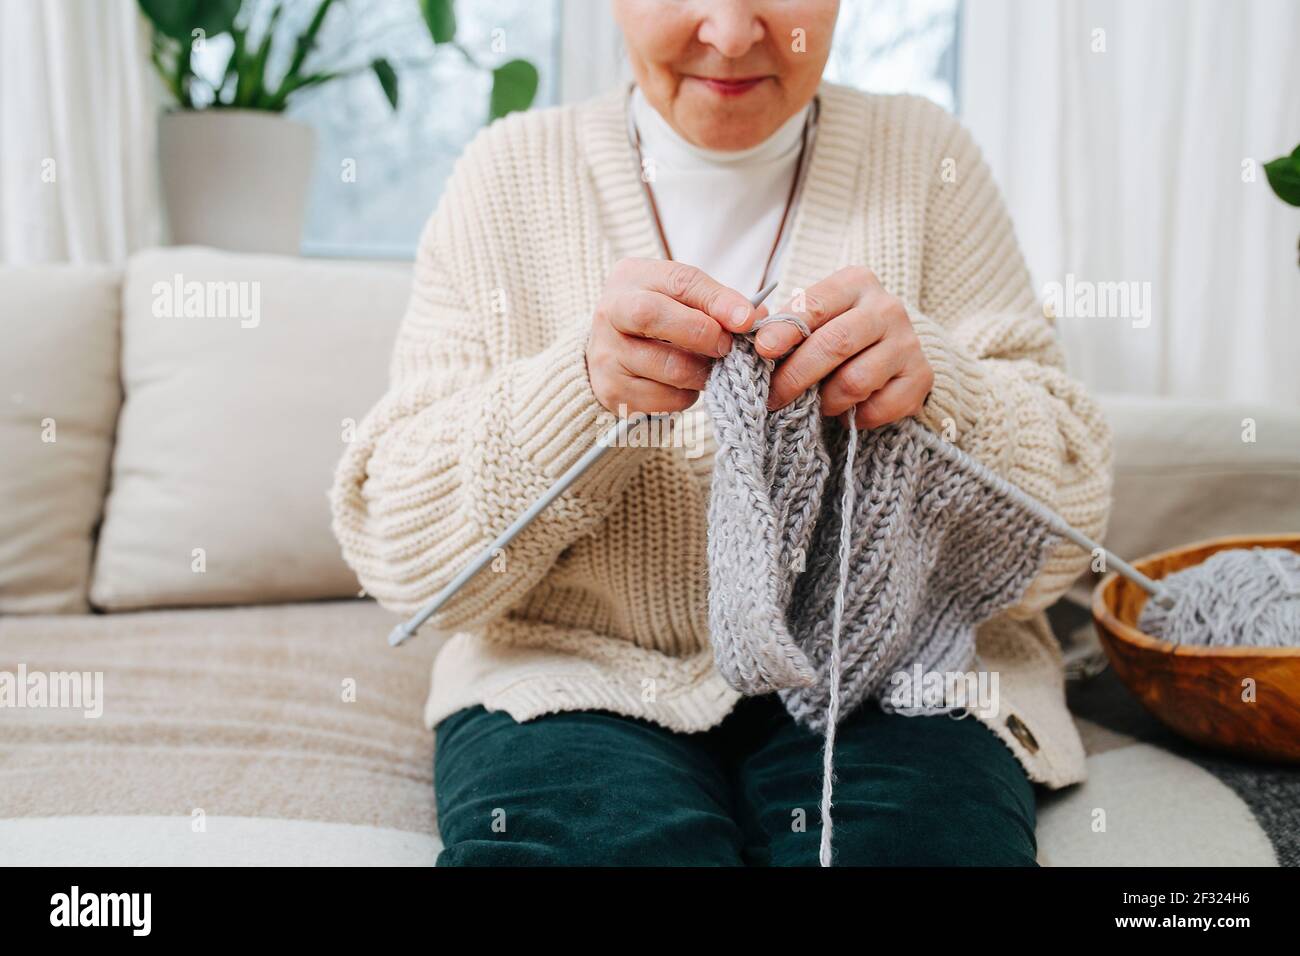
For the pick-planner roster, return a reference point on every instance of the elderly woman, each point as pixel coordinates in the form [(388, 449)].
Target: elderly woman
[(598, 258)]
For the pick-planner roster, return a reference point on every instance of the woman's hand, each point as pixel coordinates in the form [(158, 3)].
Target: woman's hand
[(657, 329), (862, 349)]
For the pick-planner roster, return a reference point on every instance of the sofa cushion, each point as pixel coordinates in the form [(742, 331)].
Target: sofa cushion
[(242, 720), (225, 738), (243, 376), (58, 404), (224, 841), (1186, 471)]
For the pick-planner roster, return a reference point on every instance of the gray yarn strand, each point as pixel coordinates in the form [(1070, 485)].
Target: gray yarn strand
[(1243, 597), (833, 707)]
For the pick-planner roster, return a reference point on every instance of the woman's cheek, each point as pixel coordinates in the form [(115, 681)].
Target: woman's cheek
[(802, 33)]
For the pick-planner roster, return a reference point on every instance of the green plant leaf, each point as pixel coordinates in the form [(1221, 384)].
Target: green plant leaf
[(1284, 176), (164, 71), (252, 75), (514, 84), (183, 72), (179, 19), (174, 24), (227, 91), (307, 41), (440, 16), (175, 72), (299, 82), (387, 79)]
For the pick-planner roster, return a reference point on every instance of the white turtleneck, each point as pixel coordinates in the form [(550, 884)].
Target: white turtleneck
[(720, 210)]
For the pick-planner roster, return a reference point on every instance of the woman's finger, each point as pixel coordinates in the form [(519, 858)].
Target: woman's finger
[(816, 305), (860, 377), (898, 398), (652, 315), (646, 358), (826, 349), (641, 395), (696, 288)]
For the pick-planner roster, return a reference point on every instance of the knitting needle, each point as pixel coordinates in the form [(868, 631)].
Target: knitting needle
[(610, 439)]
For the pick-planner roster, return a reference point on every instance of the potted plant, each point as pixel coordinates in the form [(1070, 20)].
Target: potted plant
[(235, 170), (1284, 176)]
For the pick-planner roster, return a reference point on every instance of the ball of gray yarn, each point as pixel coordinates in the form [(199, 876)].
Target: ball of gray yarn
[(1237, 598)]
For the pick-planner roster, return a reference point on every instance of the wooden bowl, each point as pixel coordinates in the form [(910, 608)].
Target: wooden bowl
[(1198, 691)]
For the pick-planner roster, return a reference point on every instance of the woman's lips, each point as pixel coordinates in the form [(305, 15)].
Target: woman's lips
[(730, 87)]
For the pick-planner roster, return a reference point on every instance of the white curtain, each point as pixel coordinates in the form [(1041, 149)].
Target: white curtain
[(1128, 138), (78, 120)]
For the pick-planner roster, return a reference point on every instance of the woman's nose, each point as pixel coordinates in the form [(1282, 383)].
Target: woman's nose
[(731, 27)]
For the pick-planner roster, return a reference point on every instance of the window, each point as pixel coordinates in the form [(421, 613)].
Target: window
[(894, 46), (402, 159)]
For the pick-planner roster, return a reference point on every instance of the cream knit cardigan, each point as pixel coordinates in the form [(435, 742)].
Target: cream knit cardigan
[(603, 601)]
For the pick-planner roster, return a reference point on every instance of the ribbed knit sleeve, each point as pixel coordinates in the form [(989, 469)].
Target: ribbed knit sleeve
[(1000, 388), (464, 440)]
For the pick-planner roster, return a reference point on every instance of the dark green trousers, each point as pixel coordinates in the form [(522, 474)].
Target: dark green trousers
[(595, 788)]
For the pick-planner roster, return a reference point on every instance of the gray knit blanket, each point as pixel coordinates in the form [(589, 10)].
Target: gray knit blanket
[(927, 550)]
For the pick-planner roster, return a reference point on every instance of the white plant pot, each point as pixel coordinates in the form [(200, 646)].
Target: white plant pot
[(235, 179)]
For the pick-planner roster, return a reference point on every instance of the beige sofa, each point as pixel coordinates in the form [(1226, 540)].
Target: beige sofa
[(167, 434)]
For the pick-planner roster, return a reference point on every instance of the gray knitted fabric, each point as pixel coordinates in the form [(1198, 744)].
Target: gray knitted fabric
[(934, 547)]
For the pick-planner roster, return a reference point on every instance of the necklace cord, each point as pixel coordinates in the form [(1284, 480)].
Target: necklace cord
[(791, 201)]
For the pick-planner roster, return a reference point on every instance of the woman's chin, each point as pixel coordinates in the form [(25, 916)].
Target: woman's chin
[(729, 130), (716, 116)]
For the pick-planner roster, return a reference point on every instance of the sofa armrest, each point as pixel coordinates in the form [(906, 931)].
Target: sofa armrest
[(1189, 470)]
